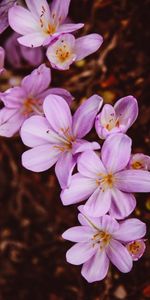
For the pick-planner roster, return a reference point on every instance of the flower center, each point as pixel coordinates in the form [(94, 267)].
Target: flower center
[(137, 165), (112, 123), (67, 141), (48, 28), (31, 105), (106, 181), (102, 238), (136, 248)]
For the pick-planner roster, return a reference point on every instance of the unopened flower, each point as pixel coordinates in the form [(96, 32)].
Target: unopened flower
[(41, 23), (5, 5), (2, 57), (23, 101), (100, 241), (105, 181), (136, 248), (58, 138), (18, 55), (66, 49), (118, 118), (139, 161)]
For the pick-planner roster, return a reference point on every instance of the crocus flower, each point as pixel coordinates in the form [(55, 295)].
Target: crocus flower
[(2, 57), (23, 101), (118, 118), (136, 248), (5, 5), (58, 138), (100, 241), (66, 49), (105, 182), (40, 23), (139, 161), (18, 55)]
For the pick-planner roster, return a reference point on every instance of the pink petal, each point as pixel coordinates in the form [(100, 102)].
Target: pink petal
[(58, 114), (94, 166), (31, 40), (37, 81), (127, 111), (62, 93), (64, 168), (2, 57), (40, 158), (66, 28), (133, 181), (84, 219), (10, 121), (21, 20), (87, 45), (98, 204), (122, 204), (78, 234), (108, 224), (35, 132), (129, 230), (119, 256), (80, 253), (116, 152), (87, 112), (14, 97), (60, 10), (139, 161), (83, 145), (80, 189), (38, 7), (96, 268)]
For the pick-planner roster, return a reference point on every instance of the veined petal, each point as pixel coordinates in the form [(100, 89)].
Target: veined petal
[(83, 145), (85, 220), (108, 224), (66, 28), (116, 152), (78, 234), (96, 268), (40, 158), (129, 230), (39, 8), (66, 95), (37, 81), (64, 168), (122, 204), (21, 20), (84, 116), (35, 132), (35, 39), (59, 10), (80, 253), (119, 256), (126, 111), (98, 204), (87, 45), (10, 121), (58, 114), (80, 188), (93, 168), (133, 181), (13, 97)]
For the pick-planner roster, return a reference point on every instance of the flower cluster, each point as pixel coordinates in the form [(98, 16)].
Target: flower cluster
[(104, 177)]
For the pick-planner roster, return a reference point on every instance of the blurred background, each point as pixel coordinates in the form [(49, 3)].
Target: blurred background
[(32, 217)]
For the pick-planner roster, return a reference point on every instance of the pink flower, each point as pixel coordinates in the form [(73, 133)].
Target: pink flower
[(100, 241), (118, 118), (139, 161), (40, 23), (105, 181), (18, 55), (136, 249), (66, 49), (26, 100), (58, 138), (2, 57), (4, 7)]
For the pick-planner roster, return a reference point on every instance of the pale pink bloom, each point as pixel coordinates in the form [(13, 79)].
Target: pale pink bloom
[(58, 138), (100, 241), (41, 23), (118, 118), (105, 181), (2, 57), (139, 161), (18, 55), (136, 248), (26, 100), (66, 49)]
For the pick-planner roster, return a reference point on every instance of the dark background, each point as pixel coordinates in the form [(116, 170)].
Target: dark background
[(32, 217)]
